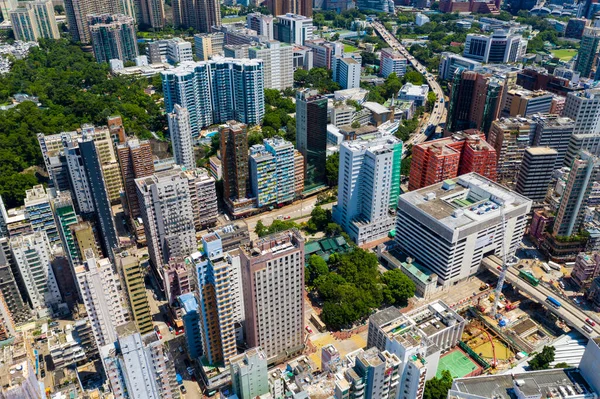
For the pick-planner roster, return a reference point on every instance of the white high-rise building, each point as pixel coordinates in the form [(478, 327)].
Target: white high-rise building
[(78, 177), (32, 254), (33, 20), (262, 24), (501, 47), (100, 289), (365, 183), (584, 108), (294, 29), (249, 374), (346, 71), (167, 212), (181, 137), (278, 63), (449, 227)]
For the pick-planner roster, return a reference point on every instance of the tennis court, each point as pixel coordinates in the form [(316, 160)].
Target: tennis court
[(458, 364)]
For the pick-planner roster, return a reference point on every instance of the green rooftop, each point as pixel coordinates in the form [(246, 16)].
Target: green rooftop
[(417, 270)]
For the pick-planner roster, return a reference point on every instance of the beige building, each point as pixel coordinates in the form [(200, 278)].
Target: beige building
[(130, 269)]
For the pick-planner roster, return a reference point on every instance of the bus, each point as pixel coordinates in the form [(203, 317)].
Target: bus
[(553, 302), (530, 278)]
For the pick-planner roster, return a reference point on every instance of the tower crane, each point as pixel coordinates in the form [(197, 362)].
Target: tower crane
[(505, 265)]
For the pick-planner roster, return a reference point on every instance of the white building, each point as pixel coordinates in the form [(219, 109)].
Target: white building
[(391, 61), (262, 24), (249, 374), (346, 71), (584, 108), (449, 227), (421, 19), (450, 62), (278, 63), (411, 92), (173, 51), (167, 213), (32, 255), (293, 29), (501, 47), (181, 137), (365, 185), (78, 177), (100, 290)]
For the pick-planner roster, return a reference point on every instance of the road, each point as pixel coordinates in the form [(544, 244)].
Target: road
[(439, 113), (570, 313)]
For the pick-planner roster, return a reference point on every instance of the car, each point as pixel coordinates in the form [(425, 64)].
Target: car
[(309, 329), (43, 373), (499, 268), (182, 389), (287, 217), (590, 322), (159, 335), (190, 370)]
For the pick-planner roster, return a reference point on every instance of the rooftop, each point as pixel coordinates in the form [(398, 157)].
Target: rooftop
[(541, 151)]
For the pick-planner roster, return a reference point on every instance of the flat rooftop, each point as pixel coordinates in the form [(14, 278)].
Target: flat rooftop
[(541, 151)]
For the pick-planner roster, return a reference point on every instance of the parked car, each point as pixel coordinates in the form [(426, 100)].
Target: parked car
[(590, 322), (190, 370), (182, 388)]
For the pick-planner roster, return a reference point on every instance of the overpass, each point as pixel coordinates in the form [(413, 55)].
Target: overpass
[(570, 313), (439, 113)]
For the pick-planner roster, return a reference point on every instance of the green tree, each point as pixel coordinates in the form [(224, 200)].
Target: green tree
[(437, 388), (562, 365), (355, 124), (542, 360), (260, 228), (332, 167), (405, 166), (431, 100), (413, 77), (399, 288), (333, 229), (315, 268)]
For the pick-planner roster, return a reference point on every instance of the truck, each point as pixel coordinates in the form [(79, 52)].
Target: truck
[(546, 267), (179, 378), (554, 265)]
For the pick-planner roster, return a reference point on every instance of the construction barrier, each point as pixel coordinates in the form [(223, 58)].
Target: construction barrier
[(474, 355)]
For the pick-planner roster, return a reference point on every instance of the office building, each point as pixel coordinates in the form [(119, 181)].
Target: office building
[(33, 20), (585, 171), (311, 136), (418, 94), (217, 91), (589, 142), (173, 51), (150, 13), (366, 181), (262, 24), (302, 58), (501, 47), (19, 311), (180, 132), (280, 7), (575, 28), (553, 131), (135, 161), (191, 324), (33, 255), (201, 15), (521, 102), (588, 49), (272, 265), (293, 28), (277, 63), (272, 172), (18, 378), (113, 37), (324, 52), (346, 72), (203, 194), (133, 275), (446, 158), (39, 213), (391, 61), (208, 44), (450, 62), (535, 173), (583, 107), (100, 287), (510, 137), (249, 374), (167, 212), (6, 6), (140, 366), (234, 158), (375, 5), (459, 222)]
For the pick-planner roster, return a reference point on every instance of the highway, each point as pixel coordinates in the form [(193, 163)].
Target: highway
[(570, 313), (439, 113)]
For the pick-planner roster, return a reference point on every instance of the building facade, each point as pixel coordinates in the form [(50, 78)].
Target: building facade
[(113, 37), (311, 136), (181, 137), (535, 173)]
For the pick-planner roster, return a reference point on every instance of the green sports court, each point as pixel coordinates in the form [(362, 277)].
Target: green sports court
[(459, 364)]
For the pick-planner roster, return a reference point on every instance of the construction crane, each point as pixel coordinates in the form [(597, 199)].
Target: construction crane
[(505, 265)]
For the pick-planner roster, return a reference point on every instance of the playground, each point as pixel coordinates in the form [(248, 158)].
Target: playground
[(459, 364)]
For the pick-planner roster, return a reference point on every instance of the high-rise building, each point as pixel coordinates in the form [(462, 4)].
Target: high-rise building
[(324, 52), (19, 311), (535, 173), (293, 28), (208, 44), (181, 137), (201, 15), (311, 136), (272, 265), (65, 215), (78, 10), (150, 13), (140, 366), (501, 47), (585, 171), (510, 137), (135, 161), (375, 367), (365, 179), (588, 50), (249, 375), (459, 222), (33, 255), (262, 24), (280, 7), (575, 27), (298, 174), (173, 51), (166, 209), (521, 102), (33, 20), (589, 142), (113, 37), (346, 72), (234, 158), (39, 212), (85, 239), (277, 63), (204, 197), (100, 289), (583, 107), (133, 275), (463, 152), (391, 61), (6, 6), (450, 62), (191, 324), (376, 5), (553, 131), (217, 91)]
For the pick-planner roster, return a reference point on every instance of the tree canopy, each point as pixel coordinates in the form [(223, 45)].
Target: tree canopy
[(437, 388), (542, 360)]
